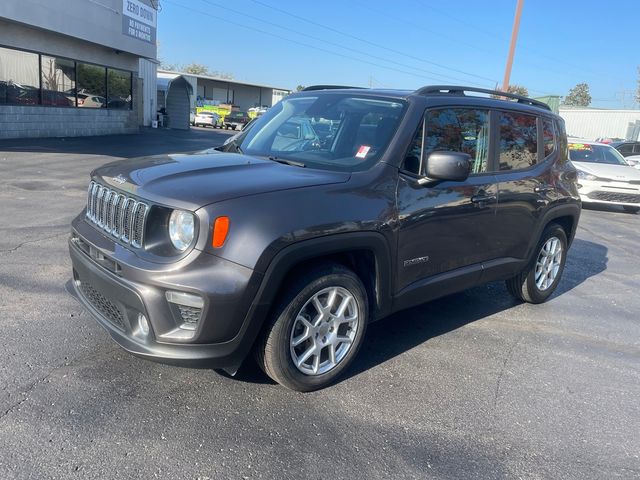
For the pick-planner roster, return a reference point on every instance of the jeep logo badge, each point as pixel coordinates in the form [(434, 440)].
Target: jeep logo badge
[(119, 179)]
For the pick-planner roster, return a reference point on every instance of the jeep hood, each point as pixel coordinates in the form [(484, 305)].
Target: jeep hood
[(191, 181)]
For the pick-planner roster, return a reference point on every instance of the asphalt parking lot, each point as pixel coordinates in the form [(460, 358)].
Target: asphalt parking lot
[(474, 385)]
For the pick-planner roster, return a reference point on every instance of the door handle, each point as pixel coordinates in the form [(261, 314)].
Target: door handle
[(543, 188), (483, 198)]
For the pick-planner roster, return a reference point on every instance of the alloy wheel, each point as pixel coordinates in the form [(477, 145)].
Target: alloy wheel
[(548, 263), (324, 330)]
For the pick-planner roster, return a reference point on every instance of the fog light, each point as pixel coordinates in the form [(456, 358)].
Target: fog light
[(186, 309), (143, 324)]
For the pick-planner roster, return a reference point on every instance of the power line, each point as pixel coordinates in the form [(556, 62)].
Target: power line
[(404, 21), (323, 40), (377, 45), (296, 42), (523, 46)]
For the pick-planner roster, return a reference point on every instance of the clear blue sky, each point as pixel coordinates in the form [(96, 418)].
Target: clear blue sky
[(410, 43)]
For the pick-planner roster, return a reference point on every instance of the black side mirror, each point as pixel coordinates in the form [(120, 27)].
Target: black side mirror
[(443, 166)]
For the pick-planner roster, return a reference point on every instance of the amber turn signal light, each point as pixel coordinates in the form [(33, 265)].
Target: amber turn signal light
[(220, 231)]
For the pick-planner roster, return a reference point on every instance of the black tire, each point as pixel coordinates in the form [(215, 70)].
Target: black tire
[(630, 209), (274, 351), (523, 286)]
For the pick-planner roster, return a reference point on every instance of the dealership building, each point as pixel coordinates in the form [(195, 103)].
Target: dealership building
[(180, 92), (77, 67)]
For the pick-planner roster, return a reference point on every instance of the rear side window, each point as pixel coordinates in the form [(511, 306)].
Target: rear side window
[(548, 137), (518, 141), (459, 130), (636, 149)]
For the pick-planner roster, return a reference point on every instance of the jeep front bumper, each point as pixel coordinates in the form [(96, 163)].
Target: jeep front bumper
[(218, 330)]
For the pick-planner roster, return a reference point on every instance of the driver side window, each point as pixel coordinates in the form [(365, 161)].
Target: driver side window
[(455, 130)]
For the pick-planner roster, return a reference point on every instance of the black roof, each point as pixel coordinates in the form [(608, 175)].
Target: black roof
[(624, 142), (440, 90)]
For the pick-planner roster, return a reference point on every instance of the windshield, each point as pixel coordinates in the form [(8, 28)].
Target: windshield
[(333, 131), (237, 114), (585, 152)]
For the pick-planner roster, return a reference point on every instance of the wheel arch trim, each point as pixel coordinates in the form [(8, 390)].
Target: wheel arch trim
[(559, 211)]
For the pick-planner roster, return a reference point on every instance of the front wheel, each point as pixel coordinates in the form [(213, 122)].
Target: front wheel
[(316, 329), (538, 281), (631, 209)]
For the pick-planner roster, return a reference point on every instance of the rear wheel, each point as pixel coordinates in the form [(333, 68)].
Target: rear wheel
[(630, 209), (538, 281), (316, 329)]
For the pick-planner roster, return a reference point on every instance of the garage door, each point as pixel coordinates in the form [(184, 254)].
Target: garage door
[(178, 105)]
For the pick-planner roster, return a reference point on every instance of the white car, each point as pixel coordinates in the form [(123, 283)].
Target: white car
[(207, 119), (604, 177), (634, 161)]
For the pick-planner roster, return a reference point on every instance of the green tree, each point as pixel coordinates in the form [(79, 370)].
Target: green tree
[(196, 69), (579, 96), (518, 90)]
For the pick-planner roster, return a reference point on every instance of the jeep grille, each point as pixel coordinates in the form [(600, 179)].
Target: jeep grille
[(119, 215)]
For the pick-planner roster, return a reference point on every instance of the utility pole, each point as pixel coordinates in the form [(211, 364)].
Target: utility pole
[(512, 47)]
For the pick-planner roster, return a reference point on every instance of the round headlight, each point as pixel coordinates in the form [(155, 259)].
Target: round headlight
[(181, 229)]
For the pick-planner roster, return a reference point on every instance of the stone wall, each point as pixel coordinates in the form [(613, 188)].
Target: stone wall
[(32, 121)]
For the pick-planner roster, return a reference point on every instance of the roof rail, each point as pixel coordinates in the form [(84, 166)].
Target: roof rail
[(327, 87), (457, 90)]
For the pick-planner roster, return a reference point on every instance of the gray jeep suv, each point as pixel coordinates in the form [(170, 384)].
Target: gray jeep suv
[(337, 207)]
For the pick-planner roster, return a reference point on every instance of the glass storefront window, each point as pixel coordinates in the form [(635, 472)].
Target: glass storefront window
[(58, 82), (119, 89), (19, 82), (92, 87), (37, 79)]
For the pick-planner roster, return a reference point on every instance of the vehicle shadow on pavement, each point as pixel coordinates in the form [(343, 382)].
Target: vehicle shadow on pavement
[(405, 330)]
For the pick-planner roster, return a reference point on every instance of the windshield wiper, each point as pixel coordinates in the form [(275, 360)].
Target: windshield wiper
[(225, 147), (293, 163)]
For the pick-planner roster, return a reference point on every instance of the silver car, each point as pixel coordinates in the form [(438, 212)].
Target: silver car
[(604, 177)]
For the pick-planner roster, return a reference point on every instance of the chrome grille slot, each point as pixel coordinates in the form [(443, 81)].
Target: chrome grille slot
[(99, 205), (90, 199), (137, 225), (127, 216), (104, 214), (115, 213), (93, 201)]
